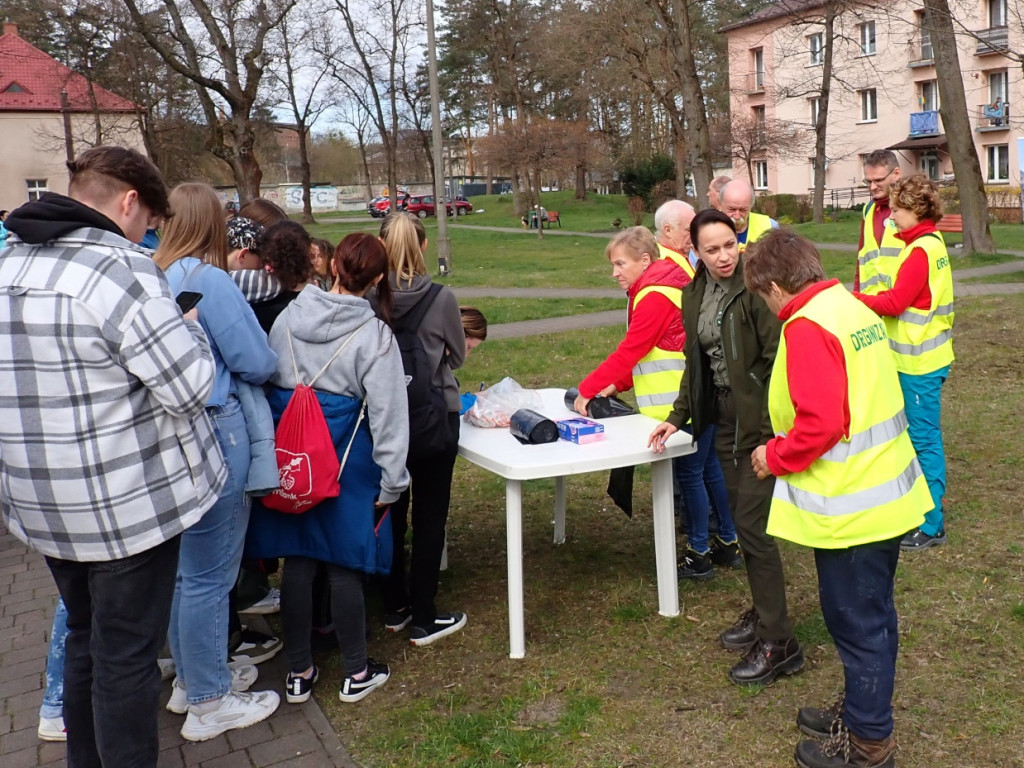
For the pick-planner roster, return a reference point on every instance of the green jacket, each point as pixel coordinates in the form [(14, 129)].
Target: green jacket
[(750, 336)]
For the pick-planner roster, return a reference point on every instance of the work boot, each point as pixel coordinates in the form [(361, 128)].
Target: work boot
[(695, 566), (726, 553), (844, 750), (766, 660), (740, 636), (818, 722)]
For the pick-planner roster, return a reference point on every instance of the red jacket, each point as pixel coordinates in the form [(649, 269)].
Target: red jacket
[(910, 288), (657, 322)]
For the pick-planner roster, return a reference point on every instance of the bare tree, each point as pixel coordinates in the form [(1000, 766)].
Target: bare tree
[(220, 46), (761, 139)]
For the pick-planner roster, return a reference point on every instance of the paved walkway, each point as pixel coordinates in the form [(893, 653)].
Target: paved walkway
[(295, 736)]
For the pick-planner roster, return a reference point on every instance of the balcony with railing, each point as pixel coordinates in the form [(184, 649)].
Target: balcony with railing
[(755, 82), (992, 117), (924, 51), (993, 40), (924, 123)]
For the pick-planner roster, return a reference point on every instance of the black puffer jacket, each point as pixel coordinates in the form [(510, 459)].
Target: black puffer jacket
[(750, 337)]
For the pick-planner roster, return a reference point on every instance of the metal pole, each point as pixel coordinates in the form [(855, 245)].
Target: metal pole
[(444, 246)]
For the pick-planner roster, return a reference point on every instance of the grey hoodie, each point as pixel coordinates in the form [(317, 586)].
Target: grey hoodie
[(441, 332), (370, 368)]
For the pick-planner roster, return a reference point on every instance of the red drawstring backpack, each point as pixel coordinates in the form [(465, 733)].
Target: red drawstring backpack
[(307, 464)]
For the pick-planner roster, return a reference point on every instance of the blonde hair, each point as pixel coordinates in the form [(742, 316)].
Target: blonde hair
[(197, 228), (636, 241), (404, 237)]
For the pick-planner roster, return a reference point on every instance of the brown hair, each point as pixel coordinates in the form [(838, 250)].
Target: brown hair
[(636, 241), (473, 323), (197, 228), (102, 172), (325, 247), (882, 158), (285, 249), (262, 211), (919, 195), (404, 236), (359, 258), (783, 257)]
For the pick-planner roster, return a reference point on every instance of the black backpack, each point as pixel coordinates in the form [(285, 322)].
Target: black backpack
[(428, 411)]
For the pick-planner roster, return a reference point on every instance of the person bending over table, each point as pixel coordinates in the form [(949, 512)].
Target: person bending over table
[(650, 359), (848, 484), (730, 349)]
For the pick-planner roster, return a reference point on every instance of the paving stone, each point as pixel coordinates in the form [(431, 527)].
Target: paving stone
[(200, 751), (17, 740), (287, 721), (238, 759), (11, 686), (255, 734), (51, 752), (170, 758), (282, 749), (24, 758), (309, 760)]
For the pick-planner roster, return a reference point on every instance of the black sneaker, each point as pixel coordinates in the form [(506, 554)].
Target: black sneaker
[(444, 625), (917, 540), (253, 648), (695, 566), (726, 553), (740, 636), (353, 690), (819, 722), (298, 688), (398, 620)]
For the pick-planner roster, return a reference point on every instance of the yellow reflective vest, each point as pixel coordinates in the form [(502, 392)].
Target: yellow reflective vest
[(757, 225), (922, 339), (867, 260), (869, 486), (657, 375), (679, 258)]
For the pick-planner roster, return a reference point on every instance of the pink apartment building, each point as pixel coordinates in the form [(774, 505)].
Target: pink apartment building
[(884, 89)]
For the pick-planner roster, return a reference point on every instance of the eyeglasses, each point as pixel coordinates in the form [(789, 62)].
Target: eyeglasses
[(869, 182)]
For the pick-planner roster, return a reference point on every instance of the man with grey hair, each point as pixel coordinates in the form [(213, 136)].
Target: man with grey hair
[(737, 201), (877, 229), (715, 191), (672, 230)]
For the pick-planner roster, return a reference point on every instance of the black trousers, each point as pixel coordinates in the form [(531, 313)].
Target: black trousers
[(429, 496), (750, 500)]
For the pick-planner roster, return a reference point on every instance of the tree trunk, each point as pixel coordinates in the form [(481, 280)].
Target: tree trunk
[(698, 137), (957, 127), (307, 181), (581, 180), (821, 125), (247, 171), (680, 157)]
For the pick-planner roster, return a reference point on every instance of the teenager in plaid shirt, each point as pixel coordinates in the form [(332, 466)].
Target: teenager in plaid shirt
[(107, 451)]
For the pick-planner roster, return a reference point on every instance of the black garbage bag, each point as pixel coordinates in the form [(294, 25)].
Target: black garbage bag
[(620, 488), (600, 407), (532, 428)]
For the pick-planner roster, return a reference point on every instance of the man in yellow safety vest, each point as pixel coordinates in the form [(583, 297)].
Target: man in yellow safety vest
[(737, 202), (877, 229), (672, 231)]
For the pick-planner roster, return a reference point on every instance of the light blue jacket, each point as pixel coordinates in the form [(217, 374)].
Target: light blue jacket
[(259, 422)]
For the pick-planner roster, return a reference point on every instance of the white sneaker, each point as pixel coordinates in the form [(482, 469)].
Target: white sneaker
[(242, 679), (167, 668), (52, 729), (235, 710), (271, 603)]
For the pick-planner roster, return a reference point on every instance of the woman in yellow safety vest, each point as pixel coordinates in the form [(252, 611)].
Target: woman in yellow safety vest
[(650, 360), (916, 303), (848, 484)]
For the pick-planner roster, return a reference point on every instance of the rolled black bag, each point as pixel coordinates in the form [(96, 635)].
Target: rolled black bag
[(599, 407), (532, 428)]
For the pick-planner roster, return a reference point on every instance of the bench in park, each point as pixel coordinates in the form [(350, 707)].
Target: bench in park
[(951, 222), (553, 218)]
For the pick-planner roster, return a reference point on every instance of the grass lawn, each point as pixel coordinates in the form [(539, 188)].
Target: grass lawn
[(608, 682), (515, 310)]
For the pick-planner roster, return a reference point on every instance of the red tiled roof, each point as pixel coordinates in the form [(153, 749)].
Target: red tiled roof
[(774, 11), (31, 80)]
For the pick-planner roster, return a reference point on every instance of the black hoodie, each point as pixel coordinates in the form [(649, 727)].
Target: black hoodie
[(55, 215)]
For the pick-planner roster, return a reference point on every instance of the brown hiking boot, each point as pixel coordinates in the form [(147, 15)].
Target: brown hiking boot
[(844, 750)]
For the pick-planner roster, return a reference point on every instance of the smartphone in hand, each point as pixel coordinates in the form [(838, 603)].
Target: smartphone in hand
[(187, 300)]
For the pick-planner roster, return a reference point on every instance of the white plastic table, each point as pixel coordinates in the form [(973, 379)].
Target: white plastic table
[(625, 445)]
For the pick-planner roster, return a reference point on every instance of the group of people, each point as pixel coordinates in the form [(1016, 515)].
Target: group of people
[(815, 416), (140, 443)]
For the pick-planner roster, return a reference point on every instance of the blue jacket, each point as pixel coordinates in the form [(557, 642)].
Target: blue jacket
[(259, 423), (339, 530)]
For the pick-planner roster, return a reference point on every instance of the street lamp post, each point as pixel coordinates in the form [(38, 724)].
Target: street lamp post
[(444, 246)]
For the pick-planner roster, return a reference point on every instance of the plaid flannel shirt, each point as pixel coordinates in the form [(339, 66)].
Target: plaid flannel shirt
[(105, 446)]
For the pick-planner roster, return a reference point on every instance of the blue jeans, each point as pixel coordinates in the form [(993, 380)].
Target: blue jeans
[(702, 486), (855, 587), (117, 624), (53, 696), (922, 397), (211, 551)]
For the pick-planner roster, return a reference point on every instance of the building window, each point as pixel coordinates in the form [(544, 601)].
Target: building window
[(997, 86), (868, 105), (760, 174), (36, 187), (758, 64), (816, 46), (929, 97), (930, 166), (998, 156), (867, 38), (925, 36), (996, 13), (815, 109)]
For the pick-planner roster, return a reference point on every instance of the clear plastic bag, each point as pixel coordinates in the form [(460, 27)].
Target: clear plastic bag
[(495, 405)]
